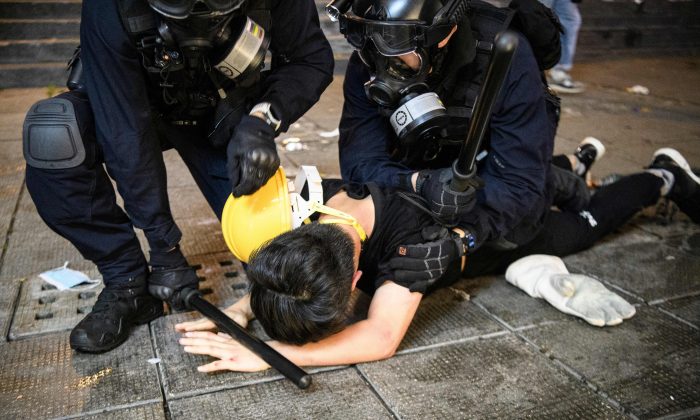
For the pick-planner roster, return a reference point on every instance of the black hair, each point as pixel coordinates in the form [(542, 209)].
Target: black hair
[(300, 283)]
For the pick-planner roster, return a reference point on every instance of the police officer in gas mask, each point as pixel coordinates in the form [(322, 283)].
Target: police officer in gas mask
[(409, 88), (156, 74)]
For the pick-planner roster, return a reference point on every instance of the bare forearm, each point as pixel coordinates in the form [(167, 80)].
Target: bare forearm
[(360, 342)]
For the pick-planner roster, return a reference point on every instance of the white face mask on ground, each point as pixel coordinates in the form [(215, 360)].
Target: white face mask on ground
[(64, 278), (546, 276)]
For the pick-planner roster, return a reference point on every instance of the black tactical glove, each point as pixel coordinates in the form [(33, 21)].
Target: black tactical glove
[(419, 266), (170, 276), (434, 186), (252, 156)]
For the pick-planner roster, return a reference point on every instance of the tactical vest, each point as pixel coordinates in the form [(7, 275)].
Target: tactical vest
[(460, 84), (181, 94)]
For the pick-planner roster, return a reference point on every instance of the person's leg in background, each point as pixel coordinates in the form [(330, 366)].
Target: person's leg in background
[(559, 78)]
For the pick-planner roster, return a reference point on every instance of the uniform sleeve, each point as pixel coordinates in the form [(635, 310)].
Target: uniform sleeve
[(302, 60), (364, 135), (516, 167), (116, 89)]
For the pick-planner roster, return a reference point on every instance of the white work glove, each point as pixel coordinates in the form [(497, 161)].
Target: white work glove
[(546, 276)]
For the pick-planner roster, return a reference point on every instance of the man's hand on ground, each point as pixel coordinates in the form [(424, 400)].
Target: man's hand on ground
[(204, 324), (231, 355)]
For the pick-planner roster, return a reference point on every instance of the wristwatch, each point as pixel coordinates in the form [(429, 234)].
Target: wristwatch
[(264, 109)]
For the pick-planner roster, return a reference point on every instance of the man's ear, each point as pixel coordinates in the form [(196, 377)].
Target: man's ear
[(447, 38), (355, 278)]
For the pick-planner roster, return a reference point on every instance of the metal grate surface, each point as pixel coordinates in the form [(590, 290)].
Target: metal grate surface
[(333, 395), (447, 315), (511, 304), (141, 412), (43, 309), (650, 363), (179, 369), (641, 264), (687, 309), (42, 378), (495, 378)]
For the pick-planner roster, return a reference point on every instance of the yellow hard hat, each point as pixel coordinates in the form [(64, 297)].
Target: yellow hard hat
[(251, 220)]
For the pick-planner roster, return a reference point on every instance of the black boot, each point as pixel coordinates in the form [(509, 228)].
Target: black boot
[(117, 310)]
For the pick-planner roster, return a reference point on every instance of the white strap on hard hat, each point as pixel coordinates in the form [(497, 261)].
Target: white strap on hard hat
[(301, 208)]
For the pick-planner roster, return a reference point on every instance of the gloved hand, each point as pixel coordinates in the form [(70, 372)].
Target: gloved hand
[(170, 276), (252, 156), (546, 276), (434, 186), (418, 266)]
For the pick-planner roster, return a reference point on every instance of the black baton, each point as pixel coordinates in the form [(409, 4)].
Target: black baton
[(294, 373), (463, 168)]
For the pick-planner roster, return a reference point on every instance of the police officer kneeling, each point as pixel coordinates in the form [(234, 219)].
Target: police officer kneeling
[(160, 74)]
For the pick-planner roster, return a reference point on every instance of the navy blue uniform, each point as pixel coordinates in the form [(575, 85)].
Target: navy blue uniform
[(121, 128), (515, 170)]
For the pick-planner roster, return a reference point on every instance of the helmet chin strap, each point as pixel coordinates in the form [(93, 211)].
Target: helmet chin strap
[(302, 209)]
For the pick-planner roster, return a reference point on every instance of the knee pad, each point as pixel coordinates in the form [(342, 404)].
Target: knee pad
[(51, 135)]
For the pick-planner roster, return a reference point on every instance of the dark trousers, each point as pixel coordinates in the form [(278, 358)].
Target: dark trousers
[(568, 232), (80, 203)]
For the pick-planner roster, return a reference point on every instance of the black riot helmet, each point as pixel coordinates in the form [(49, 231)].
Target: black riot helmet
[(182, 9), (398, 41)]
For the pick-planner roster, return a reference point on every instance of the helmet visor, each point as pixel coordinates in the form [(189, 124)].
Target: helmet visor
[(181, 9), (391, 37)]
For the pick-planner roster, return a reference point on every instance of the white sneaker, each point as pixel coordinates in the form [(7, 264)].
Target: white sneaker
[(561, 82)]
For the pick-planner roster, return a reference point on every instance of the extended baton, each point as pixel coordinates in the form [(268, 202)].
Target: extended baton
[(294, 373), (463, 168)]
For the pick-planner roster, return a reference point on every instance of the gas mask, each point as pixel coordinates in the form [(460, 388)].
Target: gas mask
[(205, 30), (397, 41), (398, 85)]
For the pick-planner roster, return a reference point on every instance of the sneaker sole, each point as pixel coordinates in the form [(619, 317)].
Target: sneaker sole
[(562, 89), (599, 147), (676, 156)]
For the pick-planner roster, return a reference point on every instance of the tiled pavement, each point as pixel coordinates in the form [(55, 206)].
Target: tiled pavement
[(480, 349)]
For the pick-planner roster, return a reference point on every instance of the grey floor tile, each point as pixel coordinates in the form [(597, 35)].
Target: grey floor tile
[(11, 183), (447, 315), (152, 411), (333, 395), (650, 363), (222, 278), (494, 378), (687, 309), (43, 309), (43, 377), (201, 236), (9, 289), (642, 264), (511, 304), (179, 369), (33, 247), (188, 202)]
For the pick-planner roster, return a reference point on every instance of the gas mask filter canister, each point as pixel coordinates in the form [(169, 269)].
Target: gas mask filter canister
[(247, 53)]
